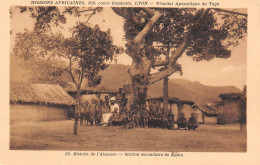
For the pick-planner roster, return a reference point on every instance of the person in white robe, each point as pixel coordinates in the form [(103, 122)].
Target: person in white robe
[(114, 108)]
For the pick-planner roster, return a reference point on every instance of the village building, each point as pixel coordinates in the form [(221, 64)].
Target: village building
[(177, 106), (204, 114), (209, 114), (39, 102), (89, 93), (231, 106)]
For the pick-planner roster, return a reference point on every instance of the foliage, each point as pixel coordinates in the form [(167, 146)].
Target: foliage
[(210, 37), (89, 48), (29, 44), (47, 17), (52, 56), (41, 52), (48, 71)]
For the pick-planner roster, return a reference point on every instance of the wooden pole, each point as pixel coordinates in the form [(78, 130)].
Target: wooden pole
[(165, 94), (165, 85)]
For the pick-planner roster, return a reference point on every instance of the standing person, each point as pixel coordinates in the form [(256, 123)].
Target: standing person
[(99, 100), (99, 108), (121, 99), (130, 116), (157, 117), (151, 116), (86, 113), (81, 116), (124, 117), (118, 97), (144, 116), (92, 112), (137, 115), (105, 106), (98, 115)]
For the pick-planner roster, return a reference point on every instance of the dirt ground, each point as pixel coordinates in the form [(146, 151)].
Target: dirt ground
[(58, 135)]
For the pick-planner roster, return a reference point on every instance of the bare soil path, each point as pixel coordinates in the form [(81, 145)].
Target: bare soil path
[(58, 135)]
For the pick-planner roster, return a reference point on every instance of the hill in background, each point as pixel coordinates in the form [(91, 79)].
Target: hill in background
[(115, 76), (18, 73)]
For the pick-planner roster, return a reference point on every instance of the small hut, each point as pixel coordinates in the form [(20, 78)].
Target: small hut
[(90, 90), (209, 114), (38, 102), (89, 93)]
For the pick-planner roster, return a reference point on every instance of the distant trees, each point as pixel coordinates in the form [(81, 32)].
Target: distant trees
[(42, 62)]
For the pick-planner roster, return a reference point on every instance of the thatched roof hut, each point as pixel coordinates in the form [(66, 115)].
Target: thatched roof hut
[(48, 94), (209, 110), (173, 100), (90, 90), (230, 96)]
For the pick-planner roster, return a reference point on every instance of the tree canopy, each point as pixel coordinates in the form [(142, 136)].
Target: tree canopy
[(203, 34)]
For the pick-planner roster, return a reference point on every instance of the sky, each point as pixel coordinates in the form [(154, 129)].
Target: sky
[(218, 72)]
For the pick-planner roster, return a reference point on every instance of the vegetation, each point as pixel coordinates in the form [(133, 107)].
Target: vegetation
[(82, 55)]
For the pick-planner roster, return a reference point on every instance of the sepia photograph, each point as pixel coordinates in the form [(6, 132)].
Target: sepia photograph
[(145, 79)]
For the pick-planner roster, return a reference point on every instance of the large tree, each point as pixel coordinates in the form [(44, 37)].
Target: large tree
[(158, 37)]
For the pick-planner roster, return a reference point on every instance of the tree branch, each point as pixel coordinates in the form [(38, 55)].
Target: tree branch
[(148, 45), (70, 71), (133, 18), (93, 12), (88, 10), (133, 47), (230, 11), (81, 77), (148, 27), (45, 12), (166, 61), (176, 55), (160, 63), (131, 51), (155, 77), (126, 13), (149, 11)]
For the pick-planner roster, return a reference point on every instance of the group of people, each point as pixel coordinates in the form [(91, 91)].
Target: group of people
[(98, 111), (113, 111)]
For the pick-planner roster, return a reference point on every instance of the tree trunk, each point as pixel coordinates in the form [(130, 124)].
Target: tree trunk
[(165, 94), (77, 112), (138, 93), (139, 74)]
